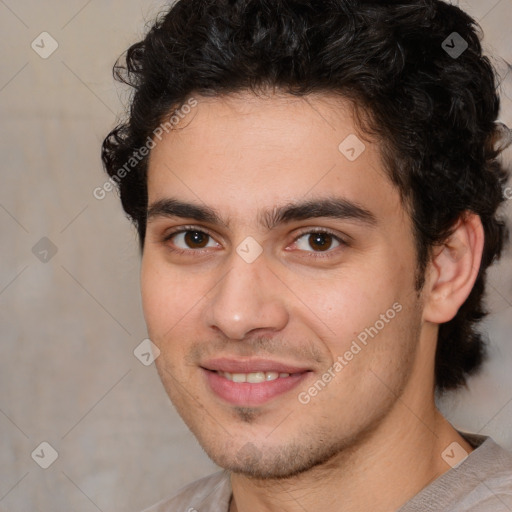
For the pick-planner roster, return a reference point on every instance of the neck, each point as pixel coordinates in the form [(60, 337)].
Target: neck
[(380, 472)]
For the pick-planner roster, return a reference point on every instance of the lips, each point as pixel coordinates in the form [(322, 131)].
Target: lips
[(251, 382)]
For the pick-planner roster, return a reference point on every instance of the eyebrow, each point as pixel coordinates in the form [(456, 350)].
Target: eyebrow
[(175, 208), (335, 208)]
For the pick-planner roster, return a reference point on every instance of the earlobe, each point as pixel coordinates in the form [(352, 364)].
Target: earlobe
[(453, 270)]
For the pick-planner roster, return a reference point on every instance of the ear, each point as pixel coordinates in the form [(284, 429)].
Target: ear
[(453, 270)]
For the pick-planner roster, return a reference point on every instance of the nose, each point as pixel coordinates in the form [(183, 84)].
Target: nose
[(247, 299)]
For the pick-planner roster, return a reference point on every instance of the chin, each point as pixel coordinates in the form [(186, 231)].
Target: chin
[(272, 463)]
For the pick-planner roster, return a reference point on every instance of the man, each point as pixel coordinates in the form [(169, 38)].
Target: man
[(315, 189)]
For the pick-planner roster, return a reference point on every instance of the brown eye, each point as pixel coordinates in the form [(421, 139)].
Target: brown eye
[(196, 239), (317, 242), (191, 239), (320, 241)]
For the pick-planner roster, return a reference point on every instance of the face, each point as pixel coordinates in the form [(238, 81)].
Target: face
[(278, 281)]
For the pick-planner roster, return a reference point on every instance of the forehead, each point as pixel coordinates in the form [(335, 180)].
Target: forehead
[(242, 153)]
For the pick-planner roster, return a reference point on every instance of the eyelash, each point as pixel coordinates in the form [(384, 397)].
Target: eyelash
[(309, 254), (322, 254), (184, 229)]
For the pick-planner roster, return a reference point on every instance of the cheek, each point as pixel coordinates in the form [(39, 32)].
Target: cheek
[(172, 298), (151, 294), (348, 304), (163, 298), (372, 360)]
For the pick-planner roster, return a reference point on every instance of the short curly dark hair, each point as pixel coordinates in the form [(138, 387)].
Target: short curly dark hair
[(432, 111)]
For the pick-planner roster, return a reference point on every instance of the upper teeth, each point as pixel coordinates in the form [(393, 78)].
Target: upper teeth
[(253, 378)]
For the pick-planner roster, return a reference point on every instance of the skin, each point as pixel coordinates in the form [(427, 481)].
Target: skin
[(370, 439)]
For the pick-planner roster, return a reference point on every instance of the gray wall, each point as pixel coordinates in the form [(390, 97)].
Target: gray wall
[(69, 324)]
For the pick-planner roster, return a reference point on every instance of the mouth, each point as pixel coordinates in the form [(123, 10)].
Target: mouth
[(253, 377), (251, 382)]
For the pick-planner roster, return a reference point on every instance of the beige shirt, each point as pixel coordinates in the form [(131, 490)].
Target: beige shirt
[(481, 483)]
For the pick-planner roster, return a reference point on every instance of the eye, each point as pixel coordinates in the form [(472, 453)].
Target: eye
[(192, 239), (317, 242)]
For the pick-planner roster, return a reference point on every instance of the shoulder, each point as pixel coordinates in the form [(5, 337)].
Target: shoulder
[(492, 474), (209, 494), (481, 483), (489, 461)]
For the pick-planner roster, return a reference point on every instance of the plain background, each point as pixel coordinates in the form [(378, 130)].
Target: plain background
[(69, 325)]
